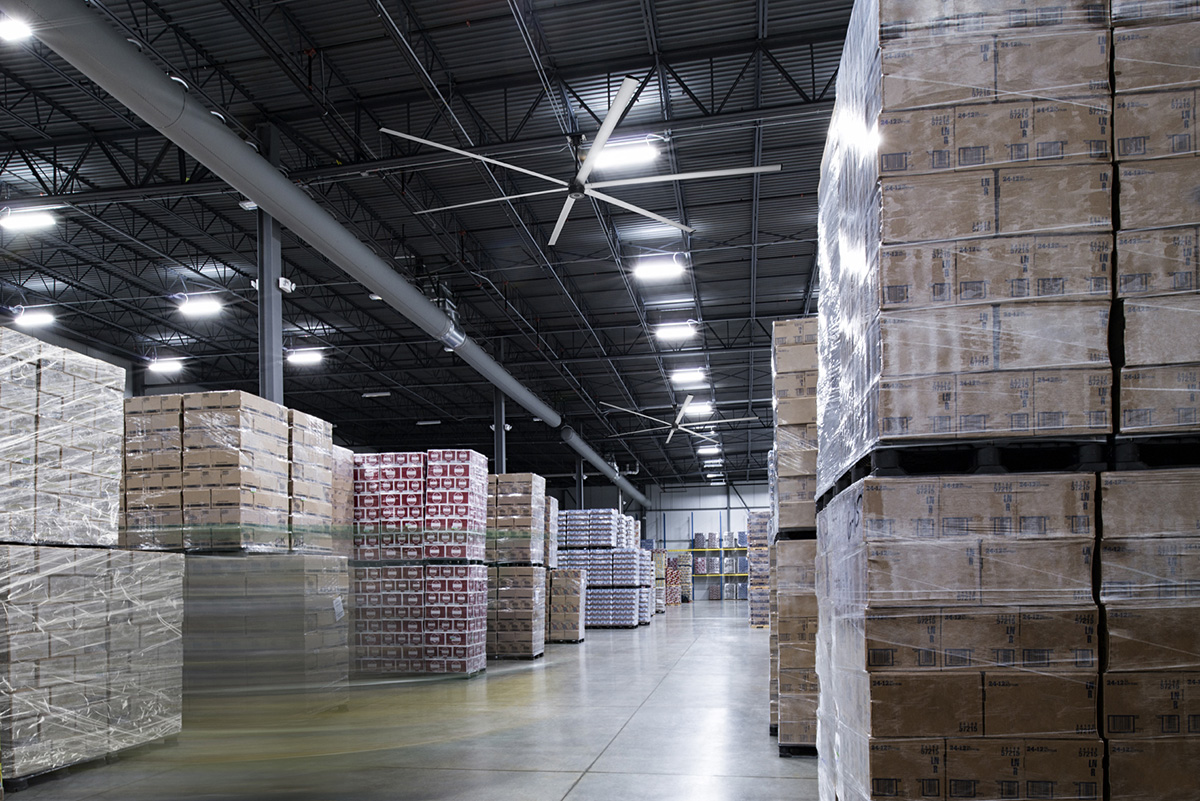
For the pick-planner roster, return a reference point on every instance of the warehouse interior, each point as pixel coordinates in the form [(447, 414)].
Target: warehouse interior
[(565, 399)]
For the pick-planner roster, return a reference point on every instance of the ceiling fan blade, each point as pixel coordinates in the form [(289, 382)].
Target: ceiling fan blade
[(637, 210), (475, 156), (651, 430), (562, 220), (730, 420), (686, 176), (621, 102), (683, 409), (713, 440), (493, 200), (663, 423), (670, 434)]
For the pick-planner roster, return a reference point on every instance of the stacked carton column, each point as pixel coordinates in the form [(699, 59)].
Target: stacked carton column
[(1149, 567), (342, 482), (310, 483), (550, 548), (516, 518), (1158, 157), (959, 640), (759, 562), (153, 516), (794, 458), (590, 540), (645, 587), (673, 580), (660, 580), (568, 596), (774, 640), (796, 636), (516, 578)]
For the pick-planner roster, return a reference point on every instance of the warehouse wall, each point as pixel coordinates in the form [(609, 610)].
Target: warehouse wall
[(678, 513)]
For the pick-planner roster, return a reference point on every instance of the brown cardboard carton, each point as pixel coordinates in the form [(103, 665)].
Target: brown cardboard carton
[(1029, 571), (1025, 768), (795, 385), (1156, 58), (1028, 703), (798, 331), (1159, 193), (1162, 330), (1149, 569), (1151, 503), (796, 682), (990, 202), (907, 769), (1153, 770), (798, 719), (976, 135), (1156, 262), (794, 358), (1151, 704), (1156, 125), (925, 704), (795, 565), (1152, 12), (1153, 637), (794, 461), (797, 606), (796, 411), (797, 514), (790, 489), (1160, 399)]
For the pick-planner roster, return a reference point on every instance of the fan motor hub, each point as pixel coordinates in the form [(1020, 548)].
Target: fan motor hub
[(575, 190)]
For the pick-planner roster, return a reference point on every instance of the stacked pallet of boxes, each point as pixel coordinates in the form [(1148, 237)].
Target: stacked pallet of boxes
[(1150, 564), (966, 258), (796, 637), (684, 565), (568, 596), (1158, 157), (759, 562), (343, 501), (660, 580), (794, 468), (91, 635), (590, 540), (420, 585), (645, 587), (774, 642), (267, 627), (516, 578), (673, 581), (550, 547)]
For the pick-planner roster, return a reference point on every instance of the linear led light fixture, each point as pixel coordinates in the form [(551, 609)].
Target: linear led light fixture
[(166, 366), (709, 450), (200, 306), (699, 409), (714, 475), (658, 268), (33, 318), (383, 393), (306, 356), (675, 332), (373, 296), (14, 30), (710, 463), (429, 422), (27, 220), (625, 154), (688, 376)]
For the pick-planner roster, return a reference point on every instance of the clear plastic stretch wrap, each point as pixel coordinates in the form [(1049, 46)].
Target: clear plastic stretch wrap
[(954, 608), (310, 485), (60, 444), (964, 241), (516, 611), (551, 541), (516, 518), (796, 638), (343, 501), (568, 599), (588, 528), (93, 653)]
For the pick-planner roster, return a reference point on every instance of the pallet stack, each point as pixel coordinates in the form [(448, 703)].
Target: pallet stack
[(310, 483), (568, 599), (91, 635), (420, 586), (516, 578), (342, 483), (645, 587), (796, 637), (759, 567), (794, 458), (588, 540), (673, 581), (550, 547), (660, 580)]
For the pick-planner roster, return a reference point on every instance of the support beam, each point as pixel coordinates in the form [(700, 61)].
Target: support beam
[(270, 296), (579, 478), (500, 435)]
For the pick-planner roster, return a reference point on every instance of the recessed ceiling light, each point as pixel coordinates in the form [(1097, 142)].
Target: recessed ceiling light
[(657, 268), (200, 305), (710, 463), (383, 393), (166, 365), (625, 154), (373, 296), (306, 356), (717, 483), (33, 318), (714, 475), (429, 422), (13, 30), (688, 376), (248, 205), (699, 409), (675, 332), (709, 450), (27, 220)]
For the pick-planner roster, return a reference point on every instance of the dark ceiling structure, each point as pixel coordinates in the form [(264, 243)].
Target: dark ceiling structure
[(721, 84)]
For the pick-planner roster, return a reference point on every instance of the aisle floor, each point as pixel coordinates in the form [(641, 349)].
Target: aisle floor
[(676, 710)]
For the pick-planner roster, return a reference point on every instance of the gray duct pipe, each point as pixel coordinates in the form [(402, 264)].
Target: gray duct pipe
[(583, 449), (85, 40)]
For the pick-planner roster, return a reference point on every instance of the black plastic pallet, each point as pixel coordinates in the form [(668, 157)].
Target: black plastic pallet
[(612, 627), (566, 642), (796, 534), (518, 657), (787, 751), (1156, 452), (17, 784), (775, 731), (987, 456)]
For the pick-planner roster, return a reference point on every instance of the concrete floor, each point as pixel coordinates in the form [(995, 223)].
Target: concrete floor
[(676, 710)]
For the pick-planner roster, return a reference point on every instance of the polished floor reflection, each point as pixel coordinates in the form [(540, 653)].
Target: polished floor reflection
[(676, 710)]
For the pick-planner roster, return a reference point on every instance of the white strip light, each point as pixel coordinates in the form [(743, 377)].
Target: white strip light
[(34, 318), (709, 450), (166, 366), (625, 154), (699, 409), (675, 332), (688, 376), (307, 356), (27, 220), (657, 268), (13, 30), (200, 306)]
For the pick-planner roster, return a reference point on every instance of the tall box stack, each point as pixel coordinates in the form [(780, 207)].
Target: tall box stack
[(235, 473), (1149, 571), (419, 586), (759, 561), (343, 501), (568, 596), (310, 483), (267, 636), (550, 548), (958, 637), (516, 625), (965, 230), (794, 457), (673, 581), (645, 587), (516, 519), (153, 518), (589, 540), (660, 580), (796, 633), (774, 641), (1154, 120)]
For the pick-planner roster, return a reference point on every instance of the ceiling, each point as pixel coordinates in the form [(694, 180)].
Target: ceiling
[(721, 84)]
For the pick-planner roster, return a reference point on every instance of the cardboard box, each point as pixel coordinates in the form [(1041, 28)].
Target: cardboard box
[(795, 454), (971, 136), (1159, 193), (1151, 503), (796, 411), (926, 18), (797, 514), (1156, 57), (1025, 768), (910, 768), (1150, 569), (925, 704), (1157, 262), (1029, 703), (787, 386), (798, 719), (987, 270), (1156, 125), (1162, 330), (1151, 12), (1163, 770), (1151, 704), (1160, 399), (1153, 637)]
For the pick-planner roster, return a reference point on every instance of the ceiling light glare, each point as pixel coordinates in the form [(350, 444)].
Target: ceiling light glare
[(717, 483), (625, 154), (429, 422), (711, 463), (200, 306), (13, 30), (688, 376), (709, 450), (714, 475), (307, 356), (27, 220), (675, 332), (699, 409), (167, 366), (248, 205), (33, 318), (657, 268), (383, 393), (373, 296)]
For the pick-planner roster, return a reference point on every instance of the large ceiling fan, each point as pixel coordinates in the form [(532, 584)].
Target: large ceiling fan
[(579, 186), (678, 425)]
